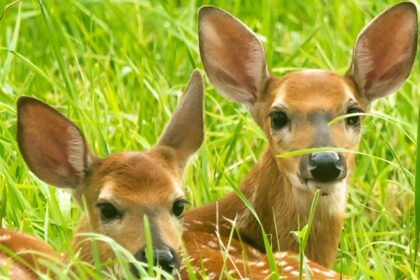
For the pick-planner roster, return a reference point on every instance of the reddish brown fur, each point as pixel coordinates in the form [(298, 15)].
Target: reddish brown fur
[(215, 257), (27, 261)]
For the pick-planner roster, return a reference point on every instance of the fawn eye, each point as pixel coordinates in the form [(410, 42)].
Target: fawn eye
[(178, 207), (279, 119), (354, 120), (108, 211)]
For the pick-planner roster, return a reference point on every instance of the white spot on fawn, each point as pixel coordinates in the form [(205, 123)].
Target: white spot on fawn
[(295, 273), (254, 252), (288, 268), (260, 264), (212, 244), (282, 263), (329, 273), (5, 237)]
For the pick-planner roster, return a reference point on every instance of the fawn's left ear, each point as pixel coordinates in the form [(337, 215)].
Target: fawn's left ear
[(51, 145), (384, 52), (185, 131)]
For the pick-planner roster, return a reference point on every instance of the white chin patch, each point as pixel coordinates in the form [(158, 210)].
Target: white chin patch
[(312, 185), (332, 195), (327, 188)]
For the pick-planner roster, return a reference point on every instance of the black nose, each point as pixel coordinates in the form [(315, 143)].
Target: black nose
[(325, 166), (167, 259)]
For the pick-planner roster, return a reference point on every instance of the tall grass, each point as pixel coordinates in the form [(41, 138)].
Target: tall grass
[(117, 69)]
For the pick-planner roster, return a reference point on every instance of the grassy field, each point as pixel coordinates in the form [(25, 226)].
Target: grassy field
[(117, 68)]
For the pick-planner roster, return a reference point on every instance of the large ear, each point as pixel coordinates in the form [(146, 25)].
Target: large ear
[(384, 52), (52, 146), (185, 130), (232, 56)]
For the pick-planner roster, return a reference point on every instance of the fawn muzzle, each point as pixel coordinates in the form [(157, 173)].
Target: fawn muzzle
[(326, 166)]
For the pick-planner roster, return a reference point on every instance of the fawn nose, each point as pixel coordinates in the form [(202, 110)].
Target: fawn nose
[(325, 166), (166, 258)]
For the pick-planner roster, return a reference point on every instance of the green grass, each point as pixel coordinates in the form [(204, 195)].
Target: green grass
[(117, 68)]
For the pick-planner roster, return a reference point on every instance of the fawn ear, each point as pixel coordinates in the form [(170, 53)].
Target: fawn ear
[(185, 131), (384, 52), (52, 146), (232, 56)]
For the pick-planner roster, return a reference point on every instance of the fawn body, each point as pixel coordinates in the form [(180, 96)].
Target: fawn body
[(294, 112)]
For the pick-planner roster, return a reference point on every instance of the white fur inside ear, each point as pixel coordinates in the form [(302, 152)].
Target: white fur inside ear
[(210, 34), (255, 67), (363, 59), (76, 149)]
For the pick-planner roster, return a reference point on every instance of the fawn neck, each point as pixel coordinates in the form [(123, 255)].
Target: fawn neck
[(279, 204)]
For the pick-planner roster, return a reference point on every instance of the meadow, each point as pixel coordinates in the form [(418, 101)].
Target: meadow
[(118, 68)]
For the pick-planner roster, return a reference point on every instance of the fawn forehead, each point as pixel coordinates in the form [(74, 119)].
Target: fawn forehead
[(138, 178), (312, 91)]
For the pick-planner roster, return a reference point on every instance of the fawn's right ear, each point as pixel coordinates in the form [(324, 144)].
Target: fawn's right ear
[(185, 131), (232, 56), (52, 146), (385, 51)]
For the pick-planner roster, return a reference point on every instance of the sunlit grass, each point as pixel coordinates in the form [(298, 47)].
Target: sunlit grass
[(117, 68)]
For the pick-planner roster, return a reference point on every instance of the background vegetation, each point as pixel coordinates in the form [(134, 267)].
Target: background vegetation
[(117, 68)]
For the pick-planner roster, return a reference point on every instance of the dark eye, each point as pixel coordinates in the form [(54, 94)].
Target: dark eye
[(108, 211), (278, 119), (354, 120), (178, 207)]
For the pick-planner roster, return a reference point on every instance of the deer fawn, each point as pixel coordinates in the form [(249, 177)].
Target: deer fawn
[(118, 190), (294, 112)]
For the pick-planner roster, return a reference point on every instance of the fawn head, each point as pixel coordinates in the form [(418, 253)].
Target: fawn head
[(121, 189), (294, 111)]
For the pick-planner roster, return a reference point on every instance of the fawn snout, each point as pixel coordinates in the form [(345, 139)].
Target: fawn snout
[(322, 170), (323, 167)]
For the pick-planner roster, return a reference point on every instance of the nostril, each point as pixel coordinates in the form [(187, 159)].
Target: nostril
[(141, 255), (325, 166), (165, 259)]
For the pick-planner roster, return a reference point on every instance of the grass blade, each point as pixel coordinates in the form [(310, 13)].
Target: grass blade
[(417, 198)]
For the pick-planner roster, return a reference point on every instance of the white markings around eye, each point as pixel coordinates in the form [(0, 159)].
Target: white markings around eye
[(107, 191)]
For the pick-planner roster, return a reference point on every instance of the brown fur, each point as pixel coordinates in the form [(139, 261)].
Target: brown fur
[(29, 251), (215, 257)]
